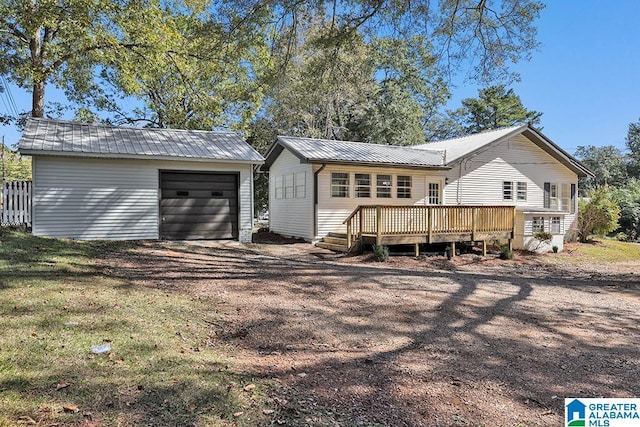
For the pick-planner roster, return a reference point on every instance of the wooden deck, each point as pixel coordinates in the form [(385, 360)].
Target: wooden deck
[(395, 225)]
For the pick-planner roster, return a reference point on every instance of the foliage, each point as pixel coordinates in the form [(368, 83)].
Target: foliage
[(14, 167), (261, 136), (57, 301), (598, 214), (505, 252), (628, 199), (381, 252), (543, 237), (555, 249), (495, 107), (608, 164), (633, 145)]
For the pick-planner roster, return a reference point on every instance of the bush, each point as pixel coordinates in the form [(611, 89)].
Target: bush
[(505, 252), (622, 237), (381, 252), (555, 248), (599, 215)]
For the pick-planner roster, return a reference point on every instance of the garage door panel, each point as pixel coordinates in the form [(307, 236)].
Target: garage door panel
[(199, 205), (196, 210), (191, 202)]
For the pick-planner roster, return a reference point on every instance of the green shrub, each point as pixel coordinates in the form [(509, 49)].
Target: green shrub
[(505, 252), (622, 237), (380, 252), (555, 248)]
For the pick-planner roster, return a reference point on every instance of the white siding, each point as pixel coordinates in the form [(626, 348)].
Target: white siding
[(332, 211), (478, 180), (291, 215), (113, 198)]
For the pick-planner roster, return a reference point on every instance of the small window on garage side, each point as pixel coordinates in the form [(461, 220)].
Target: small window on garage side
[(279, 187), (301, 185), (537, 224), (363, 185), (403, 186), (288, 186), (339, 184), (555, 225), (383, 186)]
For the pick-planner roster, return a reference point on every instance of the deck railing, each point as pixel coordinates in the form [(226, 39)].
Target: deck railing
[(380, 221)]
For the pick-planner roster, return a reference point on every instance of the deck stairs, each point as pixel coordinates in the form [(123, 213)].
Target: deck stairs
[(336, 242)]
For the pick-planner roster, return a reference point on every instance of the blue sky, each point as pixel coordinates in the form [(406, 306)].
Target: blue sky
[(585, 77)]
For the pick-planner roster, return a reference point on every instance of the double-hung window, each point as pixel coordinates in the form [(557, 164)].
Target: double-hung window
[(403, 186), (383, 186), (537, 224), (555, 225), (363, 185), (339, 184), (507, 190), (522, 191)]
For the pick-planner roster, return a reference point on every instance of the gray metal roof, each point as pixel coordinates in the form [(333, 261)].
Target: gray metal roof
[(330, 151), (55, 137)]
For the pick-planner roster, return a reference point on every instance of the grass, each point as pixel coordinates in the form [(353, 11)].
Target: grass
[(605, 250), (56, 302)]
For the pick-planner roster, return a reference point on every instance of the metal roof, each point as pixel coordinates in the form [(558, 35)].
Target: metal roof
[(330, 151), (55, 137)]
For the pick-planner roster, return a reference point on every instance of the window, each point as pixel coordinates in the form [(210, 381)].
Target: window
[(301, 185), (555, 225), (507, 190), (522, 191), (339, 184), (363, 185), (553, 196), (434, 193), (403, 186), (279, 187), (537, 224), (289, 187), (383, 185)]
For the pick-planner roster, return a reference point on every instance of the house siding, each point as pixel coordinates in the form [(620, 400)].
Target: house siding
[(113, 199), (293, 215), (332, 211), (478, 179)]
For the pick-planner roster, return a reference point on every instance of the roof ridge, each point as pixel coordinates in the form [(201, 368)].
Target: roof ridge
[(474, 134), (108, 126), (409, 147)]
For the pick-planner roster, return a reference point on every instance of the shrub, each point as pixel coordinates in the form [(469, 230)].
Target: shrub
[(598, 215), (555, 248), (505, 252), (380, 252), (622, 237)]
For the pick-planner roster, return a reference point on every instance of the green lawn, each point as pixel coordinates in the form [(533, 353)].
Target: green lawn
[(605, 250), (56, 302)]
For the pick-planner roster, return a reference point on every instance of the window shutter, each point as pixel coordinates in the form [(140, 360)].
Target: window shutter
[(547, 195), (572, 208)]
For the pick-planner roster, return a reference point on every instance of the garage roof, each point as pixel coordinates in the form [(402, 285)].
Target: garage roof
[(55, 137)]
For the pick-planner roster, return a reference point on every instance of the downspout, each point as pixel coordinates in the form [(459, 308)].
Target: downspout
[(315, 200)]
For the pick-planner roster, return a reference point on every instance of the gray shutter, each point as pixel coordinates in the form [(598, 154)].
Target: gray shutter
[(547, 195), (572, 209)]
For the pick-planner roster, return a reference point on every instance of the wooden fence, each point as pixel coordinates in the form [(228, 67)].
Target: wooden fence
[(15, 203)]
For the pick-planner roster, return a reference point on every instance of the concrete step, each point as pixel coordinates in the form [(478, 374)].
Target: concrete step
[(332, 246)]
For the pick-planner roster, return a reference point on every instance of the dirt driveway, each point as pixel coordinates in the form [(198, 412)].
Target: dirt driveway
[(428, 342)]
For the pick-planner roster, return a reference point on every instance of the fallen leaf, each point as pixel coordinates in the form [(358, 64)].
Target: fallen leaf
[(70, 408), (237, 414), (27, 420), (62, 385), (268, 411), (249, 387)]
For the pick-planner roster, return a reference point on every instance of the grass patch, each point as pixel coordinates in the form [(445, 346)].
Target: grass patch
[(56, 302), (606, 250)]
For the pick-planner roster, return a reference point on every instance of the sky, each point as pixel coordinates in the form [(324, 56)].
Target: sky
[(584, 78)]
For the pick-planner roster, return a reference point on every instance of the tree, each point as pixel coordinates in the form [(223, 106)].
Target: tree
[(261, 136), (13, 167), (607, 163), (599, 214), (633, 145), (627, 197), (495, 107)]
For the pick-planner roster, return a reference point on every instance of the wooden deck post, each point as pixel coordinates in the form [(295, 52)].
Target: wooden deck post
[(474, 222), (378, 225), (417, 250), (348, 234), (453, 249), (429, 228), (484, 248)]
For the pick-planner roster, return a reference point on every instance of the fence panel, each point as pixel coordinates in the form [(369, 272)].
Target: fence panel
[(15, 203)]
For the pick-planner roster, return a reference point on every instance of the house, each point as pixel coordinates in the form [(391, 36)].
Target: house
[(576, 412), (315, 184), (102, 182)]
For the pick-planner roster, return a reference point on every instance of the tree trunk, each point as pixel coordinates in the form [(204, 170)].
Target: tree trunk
[(37, 100)]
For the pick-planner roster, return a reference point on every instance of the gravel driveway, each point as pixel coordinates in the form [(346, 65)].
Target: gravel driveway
[(427, 342)]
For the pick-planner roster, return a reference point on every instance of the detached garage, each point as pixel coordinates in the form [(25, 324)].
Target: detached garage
[(101, 182)]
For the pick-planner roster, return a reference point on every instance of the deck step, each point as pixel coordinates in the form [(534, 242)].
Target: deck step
[(335, 240), (338, 235), (332, 246)]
